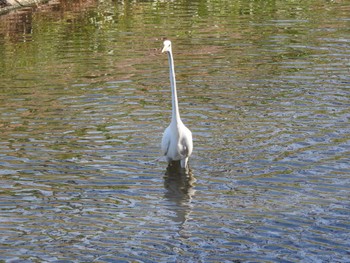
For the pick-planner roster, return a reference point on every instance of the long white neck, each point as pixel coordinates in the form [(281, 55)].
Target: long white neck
[(175, 107)]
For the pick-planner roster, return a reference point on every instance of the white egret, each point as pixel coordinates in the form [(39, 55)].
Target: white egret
[(177, 138)]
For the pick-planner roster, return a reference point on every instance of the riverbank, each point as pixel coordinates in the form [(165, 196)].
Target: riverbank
[(8, 5)]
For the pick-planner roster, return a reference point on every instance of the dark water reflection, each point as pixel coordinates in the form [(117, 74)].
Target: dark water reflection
[(179, 185), (84, 99)]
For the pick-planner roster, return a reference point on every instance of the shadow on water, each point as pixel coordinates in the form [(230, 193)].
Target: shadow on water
[(179, 185)]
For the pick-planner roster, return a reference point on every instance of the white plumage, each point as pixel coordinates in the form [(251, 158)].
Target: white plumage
[(177, 142)]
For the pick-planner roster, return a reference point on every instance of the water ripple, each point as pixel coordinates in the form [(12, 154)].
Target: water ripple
[(263, 87)]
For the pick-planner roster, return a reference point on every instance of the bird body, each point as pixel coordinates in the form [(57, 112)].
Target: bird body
[(177, 142)]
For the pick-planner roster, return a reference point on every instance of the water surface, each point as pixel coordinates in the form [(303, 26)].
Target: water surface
[(85, 97)]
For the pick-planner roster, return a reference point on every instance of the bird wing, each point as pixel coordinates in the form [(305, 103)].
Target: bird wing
[(165, 141), (187, 144)]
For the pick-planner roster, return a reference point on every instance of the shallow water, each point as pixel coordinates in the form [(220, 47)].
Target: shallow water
[(84, 99)]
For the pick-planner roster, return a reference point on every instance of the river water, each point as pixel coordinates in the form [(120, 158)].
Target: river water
[(85, 97)]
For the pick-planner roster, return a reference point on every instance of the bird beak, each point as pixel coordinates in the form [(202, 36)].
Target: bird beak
[(164, 49)]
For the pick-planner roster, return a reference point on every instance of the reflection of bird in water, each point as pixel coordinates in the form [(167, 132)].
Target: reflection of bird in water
[(179, 185), (177, 138)]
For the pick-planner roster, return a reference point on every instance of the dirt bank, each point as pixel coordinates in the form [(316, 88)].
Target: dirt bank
[(8, 5)]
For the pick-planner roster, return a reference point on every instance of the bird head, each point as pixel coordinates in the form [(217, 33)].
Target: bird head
[(167, 46)]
